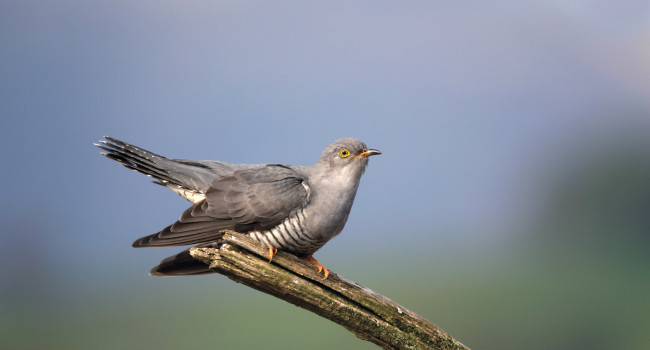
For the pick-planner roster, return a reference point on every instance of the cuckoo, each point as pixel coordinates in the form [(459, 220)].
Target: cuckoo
[(292, 208)]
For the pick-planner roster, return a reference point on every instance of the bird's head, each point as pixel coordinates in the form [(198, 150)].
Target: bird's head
[(346, 153)]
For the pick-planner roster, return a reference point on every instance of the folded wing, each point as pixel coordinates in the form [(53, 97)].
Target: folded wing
[(247, 200)]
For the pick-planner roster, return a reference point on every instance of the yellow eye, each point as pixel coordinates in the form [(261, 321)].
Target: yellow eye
[(344, 153)]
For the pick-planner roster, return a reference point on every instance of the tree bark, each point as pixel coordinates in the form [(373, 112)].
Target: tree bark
[(370, 316)]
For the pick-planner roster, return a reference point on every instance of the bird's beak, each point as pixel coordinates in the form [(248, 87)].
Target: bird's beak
[(367, 153)]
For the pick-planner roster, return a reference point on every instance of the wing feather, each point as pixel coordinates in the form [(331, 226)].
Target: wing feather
[(247, 200)]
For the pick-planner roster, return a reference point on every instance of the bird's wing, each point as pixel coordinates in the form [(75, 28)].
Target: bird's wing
[(247, 200)]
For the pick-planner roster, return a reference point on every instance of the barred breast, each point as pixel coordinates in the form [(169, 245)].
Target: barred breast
[(290, 235)]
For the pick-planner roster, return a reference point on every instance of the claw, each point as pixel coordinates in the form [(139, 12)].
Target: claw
[(272, 251), (311, 260)]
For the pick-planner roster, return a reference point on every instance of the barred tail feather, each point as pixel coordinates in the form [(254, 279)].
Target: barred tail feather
[(140, 160)]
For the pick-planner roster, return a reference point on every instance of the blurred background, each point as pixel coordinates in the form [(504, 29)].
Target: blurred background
[(511, 205)]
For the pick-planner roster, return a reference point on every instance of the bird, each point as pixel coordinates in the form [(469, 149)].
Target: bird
[(295, 209)]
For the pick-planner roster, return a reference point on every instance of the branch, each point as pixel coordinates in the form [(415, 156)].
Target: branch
[(370, 316)]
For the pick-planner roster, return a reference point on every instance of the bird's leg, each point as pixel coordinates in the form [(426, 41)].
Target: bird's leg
[(310, 259), (272, 251)]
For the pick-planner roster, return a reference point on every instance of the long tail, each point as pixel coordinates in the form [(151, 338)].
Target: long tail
[(188, 178), (140, 160)]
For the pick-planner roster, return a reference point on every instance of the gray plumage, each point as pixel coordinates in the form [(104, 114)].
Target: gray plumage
[(292, 208)]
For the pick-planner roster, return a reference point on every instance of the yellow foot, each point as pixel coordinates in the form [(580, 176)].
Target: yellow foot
[(272, 251), (310, 259)]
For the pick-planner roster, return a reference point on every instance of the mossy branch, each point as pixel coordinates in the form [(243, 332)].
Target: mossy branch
[(368, 315)]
